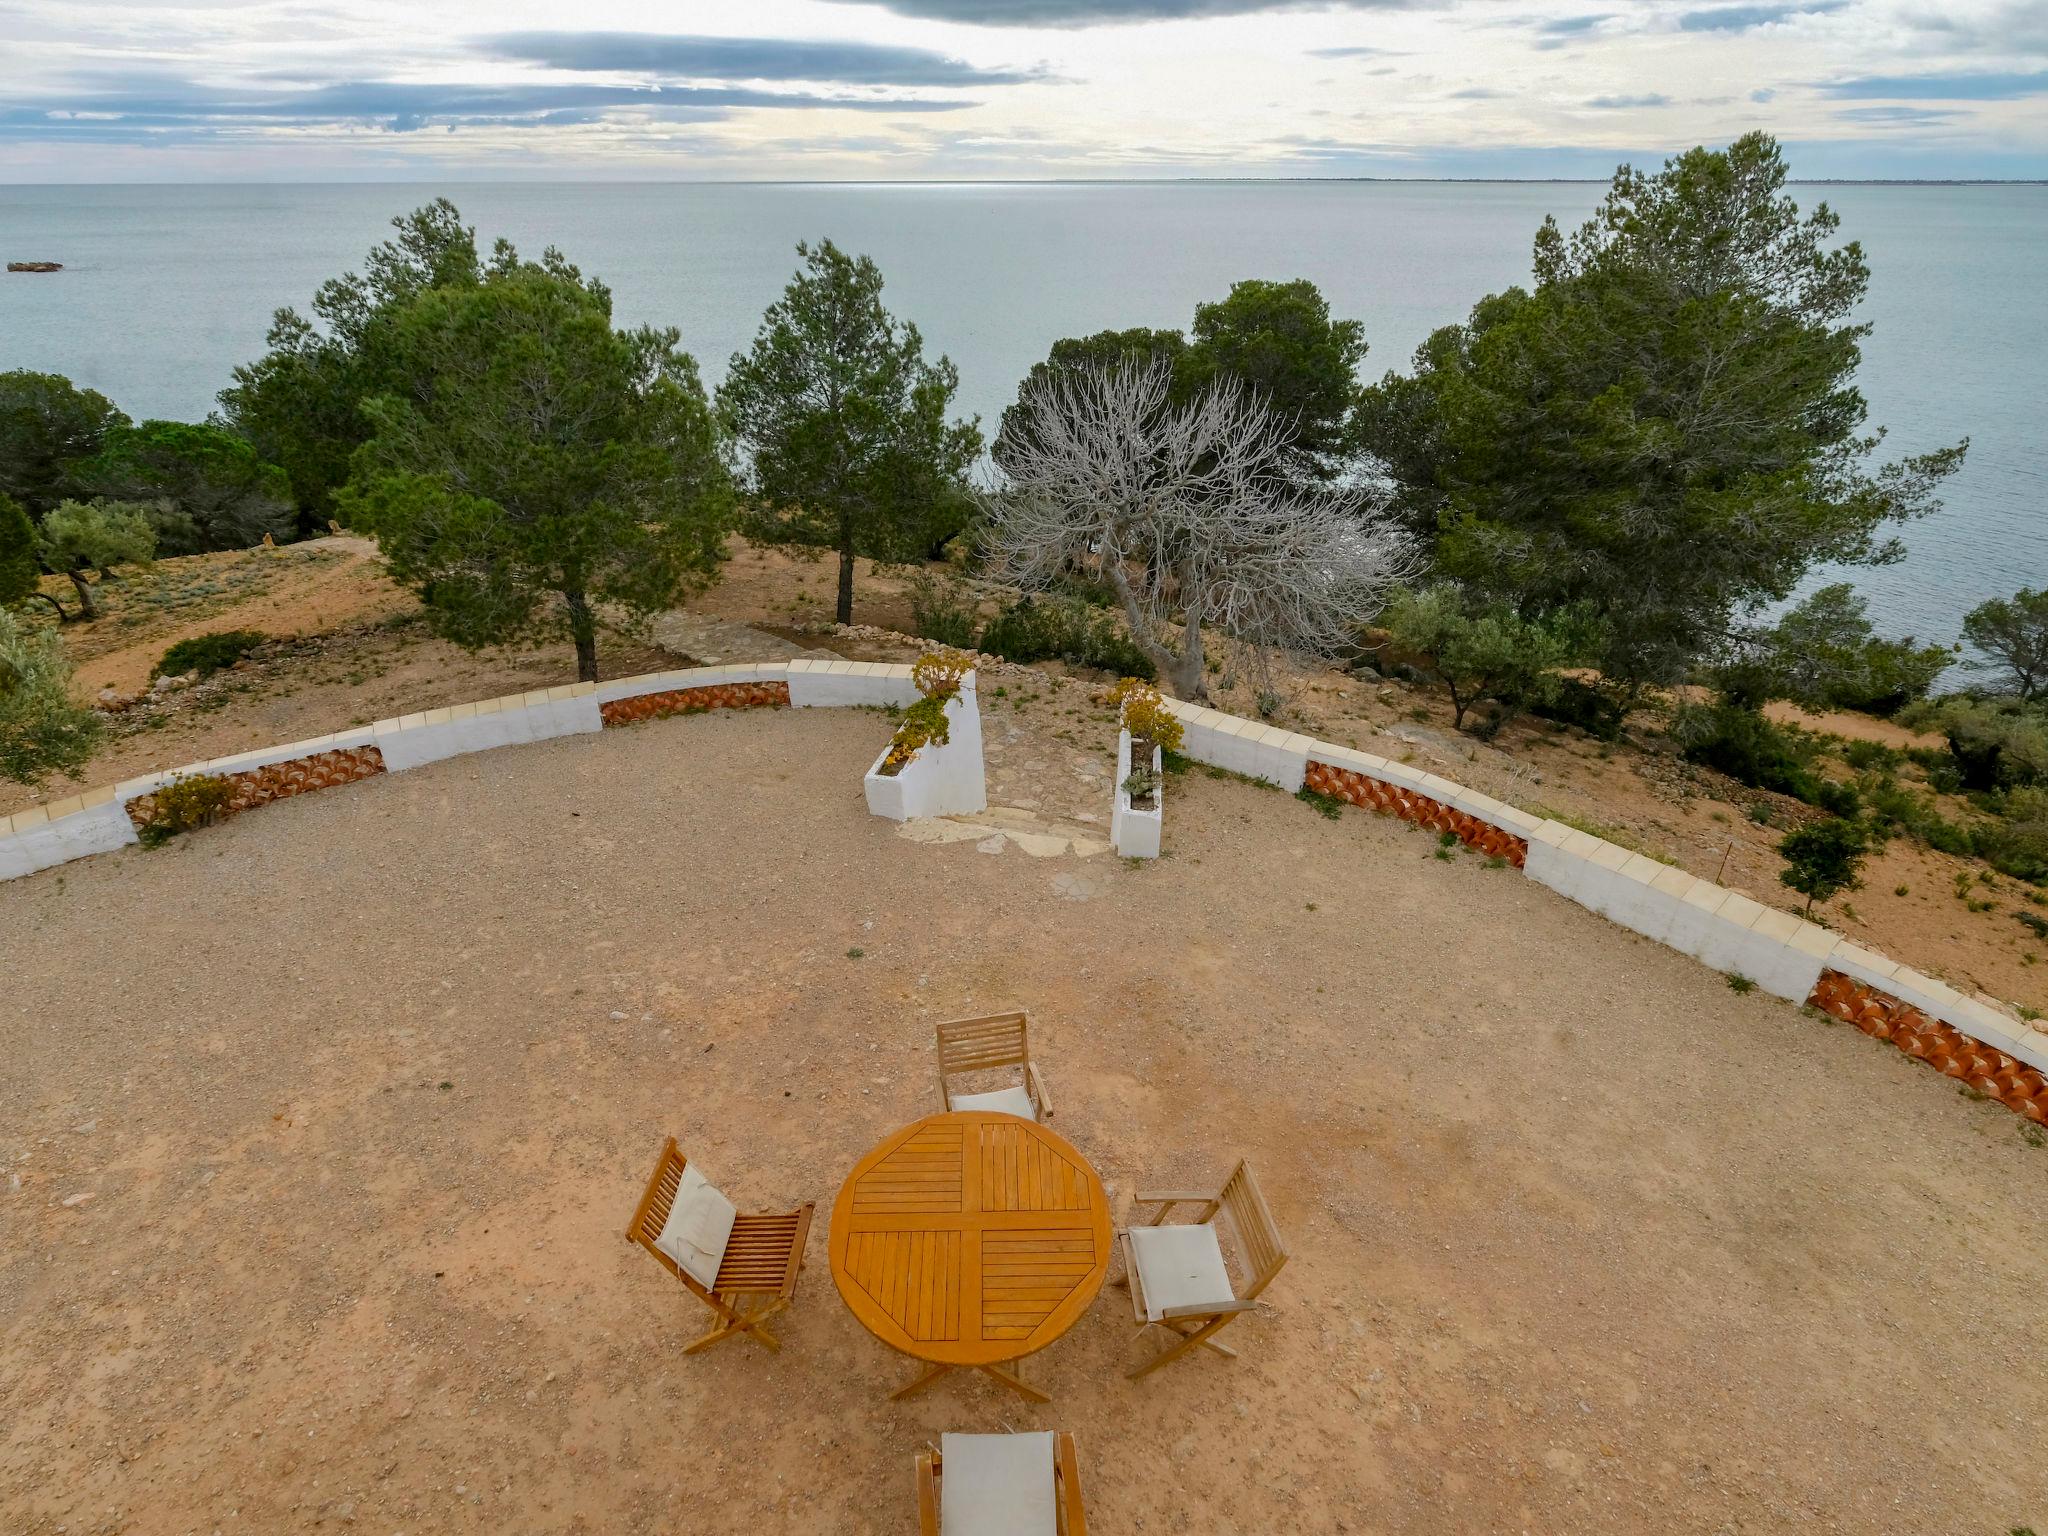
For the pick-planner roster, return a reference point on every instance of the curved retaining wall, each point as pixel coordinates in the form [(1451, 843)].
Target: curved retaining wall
[(1995, 1054), (101, 820), (1798, 960)]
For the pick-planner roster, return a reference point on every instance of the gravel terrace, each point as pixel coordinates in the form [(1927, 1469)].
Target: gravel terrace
[(320, 1129)]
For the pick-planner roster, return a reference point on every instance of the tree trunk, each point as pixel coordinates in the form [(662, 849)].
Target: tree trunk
[(62, 616), (1183, 673), (87, 609), (583, 629), (845, 609)]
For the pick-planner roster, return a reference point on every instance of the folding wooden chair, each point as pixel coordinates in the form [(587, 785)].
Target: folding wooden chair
[(762, 1257), (987, 1044), (985, 1490), (1176, 1274)]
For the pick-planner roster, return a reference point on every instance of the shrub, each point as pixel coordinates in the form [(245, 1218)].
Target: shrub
[(1750, 749), (208, 654), (1823, 859), (1871, 754), (937, 675), (196, 800), (939, 611), (1572, 702), (41, 730), (1475, 650), (1042, 629), (1991, 745)]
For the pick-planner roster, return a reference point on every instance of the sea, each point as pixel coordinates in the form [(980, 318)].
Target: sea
[(166, 288)]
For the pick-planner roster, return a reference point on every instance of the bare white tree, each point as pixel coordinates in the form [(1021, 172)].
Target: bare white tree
[(1181, 510)]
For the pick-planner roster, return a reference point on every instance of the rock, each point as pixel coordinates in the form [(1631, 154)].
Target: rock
[(113, 700), (73, 1202), (86, 1127), (35, 266)]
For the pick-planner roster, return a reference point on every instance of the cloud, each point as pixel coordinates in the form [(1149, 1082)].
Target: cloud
[(1624, 103), (1109, 13), (1472, 93), (1903, 116), (1763, 96), (402, 107), (1563, 31), (745, 58), (1952, 87), (1741, 18), (1359, 52)]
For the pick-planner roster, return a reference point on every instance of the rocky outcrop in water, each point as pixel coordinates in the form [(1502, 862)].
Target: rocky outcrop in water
[(35, 266)]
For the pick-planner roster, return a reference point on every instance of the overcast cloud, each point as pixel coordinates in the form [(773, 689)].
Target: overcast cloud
[(938, 89)]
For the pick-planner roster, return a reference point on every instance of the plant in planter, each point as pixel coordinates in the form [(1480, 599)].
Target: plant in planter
[(1149, 731), (907, 781), (937, 676), (198, 800)]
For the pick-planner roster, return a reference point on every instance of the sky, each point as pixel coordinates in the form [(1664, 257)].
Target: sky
[(307, 90)]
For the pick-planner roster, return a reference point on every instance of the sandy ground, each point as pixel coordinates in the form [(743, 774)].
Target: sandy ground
[(363, 1087)]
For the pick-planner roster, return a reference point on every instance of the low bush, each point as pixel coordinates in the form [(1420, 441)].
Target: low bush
[(208, 654), (197, 800), (1750, 749), (1065, 629), (1143, 713), (1992, 744), (940, 611), (1572, 702), (937, 676)]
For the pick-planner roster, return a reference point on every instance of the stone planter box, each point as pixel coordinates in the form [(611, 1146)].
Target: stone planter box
[(938, 781), (1136, 832)]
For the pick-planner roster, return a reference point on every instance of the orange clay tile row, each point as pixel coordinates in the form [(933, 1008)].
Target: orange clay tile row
[(1947, 1049), (1375, 794), (280, 781), (690, 701)]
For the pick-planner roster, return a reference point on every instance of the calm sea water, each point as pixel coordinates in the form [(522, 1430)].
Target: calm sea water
[(167, 288)]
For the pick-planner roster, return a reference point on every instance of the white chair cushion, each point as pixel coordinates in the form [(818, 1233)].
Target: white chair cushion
[(1179, 1267), (698, 1227), (997, 1485), (1004, 1101)]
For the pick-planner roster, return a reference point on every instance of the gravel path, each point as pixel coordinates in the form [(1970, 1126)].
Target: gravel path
[(319, 1130)]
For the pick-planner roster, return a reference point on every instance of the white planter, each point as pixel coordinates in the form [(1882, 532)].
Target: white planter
[(1134, 832), (938, 781)]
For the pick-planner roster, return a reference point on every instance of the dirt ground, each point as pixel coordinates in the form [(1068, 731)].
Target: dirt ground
[(320, 1129), (358, 652)]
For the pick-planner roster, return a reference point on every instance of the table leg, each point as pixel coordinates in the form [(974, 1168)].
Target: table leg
[(1017, 1384), (921, 1383)]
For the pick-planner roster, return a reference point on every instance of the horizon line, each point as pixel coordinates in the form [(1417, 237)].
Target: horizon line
[(1004, 181)]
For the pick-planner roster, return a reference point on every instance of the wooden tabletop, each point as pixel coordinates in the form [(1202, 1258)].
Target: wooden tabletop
[(970, 1238)]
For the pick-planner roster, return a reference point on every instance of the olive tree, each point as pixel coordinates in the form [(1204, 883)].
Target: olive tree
[(2012, 636), (41, 730), (1179, 508), (82, 536)]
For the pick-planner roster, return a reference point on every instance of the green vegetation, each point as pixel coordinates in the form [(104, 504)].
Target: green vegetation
[(197, 800), (1331, 806), (20, 570), (1477, 654), (208, 654), (1737, 982), (1824, 654), (838, 424), (542, 465), (47, 425), (1064, 629), (1665, 430), (207, 487), (2011, 635), (300, 403), (41, 731), (1760, 753), (1823, 859), (79, 537)]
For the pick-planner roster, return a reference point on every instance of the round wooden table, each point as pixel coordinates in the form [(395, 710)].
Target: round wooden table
[(970, 1239)]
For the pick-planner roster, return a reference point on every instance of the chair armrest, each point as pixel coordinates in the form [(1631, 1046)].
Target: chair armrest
[(1210, 1309), (1068, 1479), (1037, 1086), (1166, 1200), (927, 1494)]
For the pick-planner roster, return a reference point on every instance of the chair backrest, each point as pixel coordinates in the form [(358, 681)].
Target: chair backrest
[(651, 1215), (976, 1045), (1252, 1220)]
